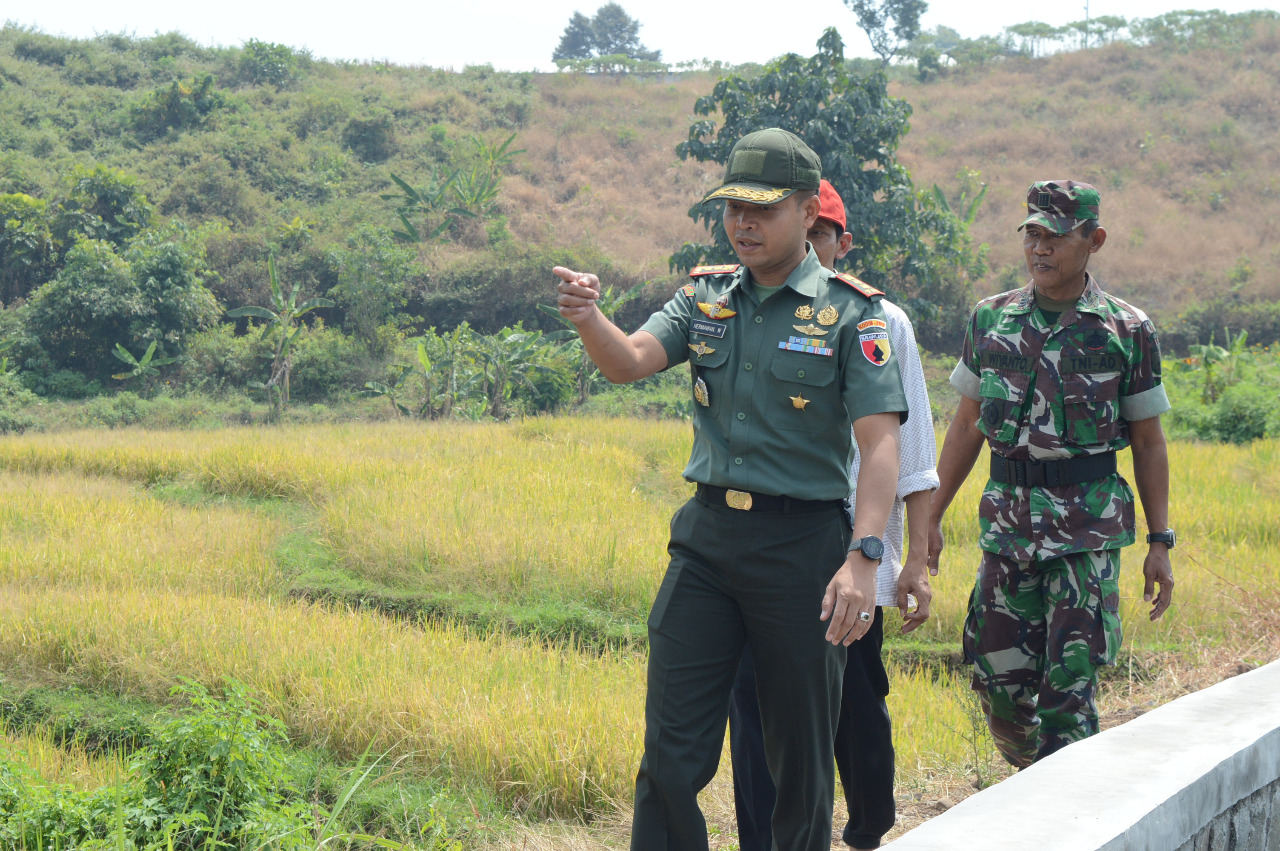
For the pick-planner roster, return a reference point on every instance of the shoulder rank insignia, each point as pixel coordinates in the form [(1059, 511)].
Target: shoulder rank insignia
[(864, 288), (687, 290), (723, 269)]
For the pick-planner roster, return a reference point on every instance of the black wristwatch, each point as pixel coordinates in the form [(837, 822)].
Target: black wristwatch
[(871, 547), (1167, 537)]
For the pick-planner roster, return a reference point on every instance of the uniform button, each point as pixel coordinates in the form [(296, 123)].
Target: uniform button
[(737, 461), (800, 374), (741, 416), (747, 367), (759, 319)]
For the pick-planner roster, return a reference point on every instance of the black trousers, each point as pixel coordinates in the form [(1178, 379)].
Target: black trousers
[(863, 749), (739, 578)]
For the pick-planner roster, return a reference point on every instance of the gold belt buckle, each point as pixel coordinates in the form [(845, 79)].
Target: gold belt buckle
[(740, 500)]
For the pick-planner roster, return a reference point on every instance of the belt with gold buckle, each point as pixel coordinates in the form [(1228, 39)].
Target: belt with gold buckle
[(748, 501)]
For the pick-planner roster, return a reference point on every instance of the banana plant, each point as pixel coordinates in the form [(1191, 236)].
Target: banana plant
[(429, 203), (285, 314), (4, 360), (506, 361), (143, 367), (391, 392)]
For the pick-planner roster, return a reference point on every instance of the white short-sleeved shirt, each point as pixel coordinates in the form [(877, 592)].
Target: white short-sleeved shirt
[(917, 450)]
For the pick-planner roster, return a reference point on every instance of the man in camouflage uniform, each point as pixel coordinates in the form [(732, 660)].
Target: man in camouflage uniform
[(1056, 377)]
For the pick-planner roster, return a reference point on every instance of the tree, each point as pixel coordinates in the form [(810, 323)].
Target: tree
[(26, 246), (91, 302), (890, 24), (578, 41), (372, 270), (902, 240), (1034, 35), (611, 33), (104, 203)]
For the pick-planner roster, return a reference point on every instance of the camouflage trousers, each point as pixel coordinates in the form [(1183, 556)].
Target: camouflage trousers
[(1036, 633)]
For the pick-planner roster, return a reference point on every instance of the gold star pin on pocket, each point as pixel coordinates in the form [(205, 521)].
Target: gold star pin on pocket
[(799, 402)]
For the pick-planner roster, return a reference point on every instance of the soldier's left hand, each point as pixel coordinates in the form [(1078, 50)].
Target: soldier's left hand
[(1157, 570), (914, 580), (850, 592)]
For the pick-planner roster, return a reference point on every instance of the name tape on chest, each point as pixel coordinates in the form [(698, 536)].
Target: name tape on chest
[(1004, 361), (709, 329), (809, 345)]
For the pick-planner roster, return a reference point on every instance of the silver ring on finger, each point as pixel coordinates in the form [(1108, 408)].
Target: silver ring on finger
[(864, 616)]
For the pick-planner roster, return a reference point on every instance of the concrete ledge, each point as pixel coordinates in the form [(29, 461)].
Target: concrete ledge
[(1205, 764)]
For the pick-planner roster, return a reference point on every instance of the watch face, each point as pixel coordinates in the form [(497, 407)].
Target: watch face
[(872, 547)]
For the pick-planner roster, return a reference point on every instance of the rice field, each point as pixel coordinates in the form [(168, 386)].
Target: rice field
[(109, 584)]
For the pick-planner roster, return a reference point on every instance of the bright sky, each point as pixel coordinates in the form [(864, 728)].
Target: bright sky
[(520, 35)]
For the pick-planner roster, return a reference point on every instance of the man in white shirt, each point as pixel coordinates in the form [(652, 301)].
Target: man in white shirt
[(863, 744)]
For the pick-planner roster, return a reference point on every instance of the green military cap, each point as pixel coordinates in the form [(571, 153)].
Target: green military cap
[(1060, 205), (766, 166)]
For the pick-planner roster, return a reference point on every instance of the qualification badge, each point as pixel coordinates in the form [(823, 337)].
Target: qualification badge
[(810, 330), (700, 393), (828, 316), (805, 312), (717, 310), (701, 349)]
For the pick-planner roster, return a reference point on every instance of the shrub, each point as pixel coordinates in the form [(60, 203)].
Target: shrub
[(1244, 413)]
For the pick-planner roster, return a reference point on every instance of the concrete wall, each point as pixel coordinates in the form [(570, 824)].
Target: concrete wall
[(1199, 774)]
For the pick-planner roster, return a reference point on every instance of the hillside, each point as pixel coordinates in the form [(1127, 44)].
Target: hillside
[(288, 155)]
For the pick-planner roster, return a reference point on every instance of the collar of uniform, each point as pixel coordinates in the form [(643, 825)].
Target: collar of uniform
[(1026, 300), (1092, 299), (803, 278)]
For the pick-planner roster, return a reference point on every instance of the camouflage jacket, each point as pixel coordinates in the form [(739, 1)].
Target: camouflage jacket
[(1058, 392)]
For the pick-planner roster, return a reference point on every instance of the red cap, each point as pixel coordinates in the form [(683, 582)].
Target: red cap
[(832, 208)]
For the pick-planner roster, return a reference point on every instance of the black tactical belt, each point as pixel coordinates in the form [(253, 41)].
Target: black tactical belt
[(750, 501), (1052, 474)]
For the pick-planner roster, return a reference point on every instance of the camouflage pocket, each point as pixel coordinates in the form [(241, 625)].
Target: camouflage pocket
[(1090, 407), (1110, 632), (1004, 398)]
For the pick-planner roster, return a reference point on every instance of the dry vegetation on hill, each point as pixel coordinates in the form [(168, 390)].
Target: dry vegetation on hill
[(1182, 145)]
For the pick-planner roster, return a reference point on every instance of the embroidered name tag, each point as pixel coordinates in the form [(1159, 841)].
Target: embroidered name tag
[(810, 345), (1006, 361), (711, 329), (1089, 363)]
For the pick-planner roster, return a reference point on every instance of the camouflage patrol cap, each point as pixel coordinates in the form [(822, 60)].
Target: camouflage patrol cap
[(766, 166), (1060, 205)]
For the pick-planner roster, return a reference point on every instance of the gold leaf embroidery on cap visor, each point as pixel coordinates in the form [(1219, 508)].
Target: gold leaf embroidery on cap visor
[(751, 196)]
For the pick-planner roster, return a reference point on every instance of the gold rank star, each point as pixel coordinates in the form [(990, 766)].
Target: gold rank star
[(799, 401)]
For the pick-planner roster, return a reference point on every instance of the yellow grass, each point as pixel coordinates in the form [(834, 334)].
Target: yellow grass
[(105, 586), (49, 763)]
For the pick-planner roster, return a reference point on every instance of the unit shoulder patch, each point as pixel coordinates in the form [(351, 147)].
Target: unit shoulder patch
[(687, 290), (861, 286), (722, 269)]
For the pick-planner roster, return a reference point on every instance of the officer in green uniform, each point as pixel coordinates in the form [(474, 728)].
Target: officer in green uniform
[(783, 356), (1056, 377)]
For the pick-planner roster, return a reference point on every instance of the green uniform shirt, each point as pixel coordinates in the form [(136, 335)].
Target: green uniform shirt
[(784, 379), (1048, 392)]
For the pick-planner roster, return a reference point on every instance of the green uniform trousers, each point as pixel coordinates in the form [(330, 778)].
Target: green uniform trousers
[(739, 577), (1037, 632)]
